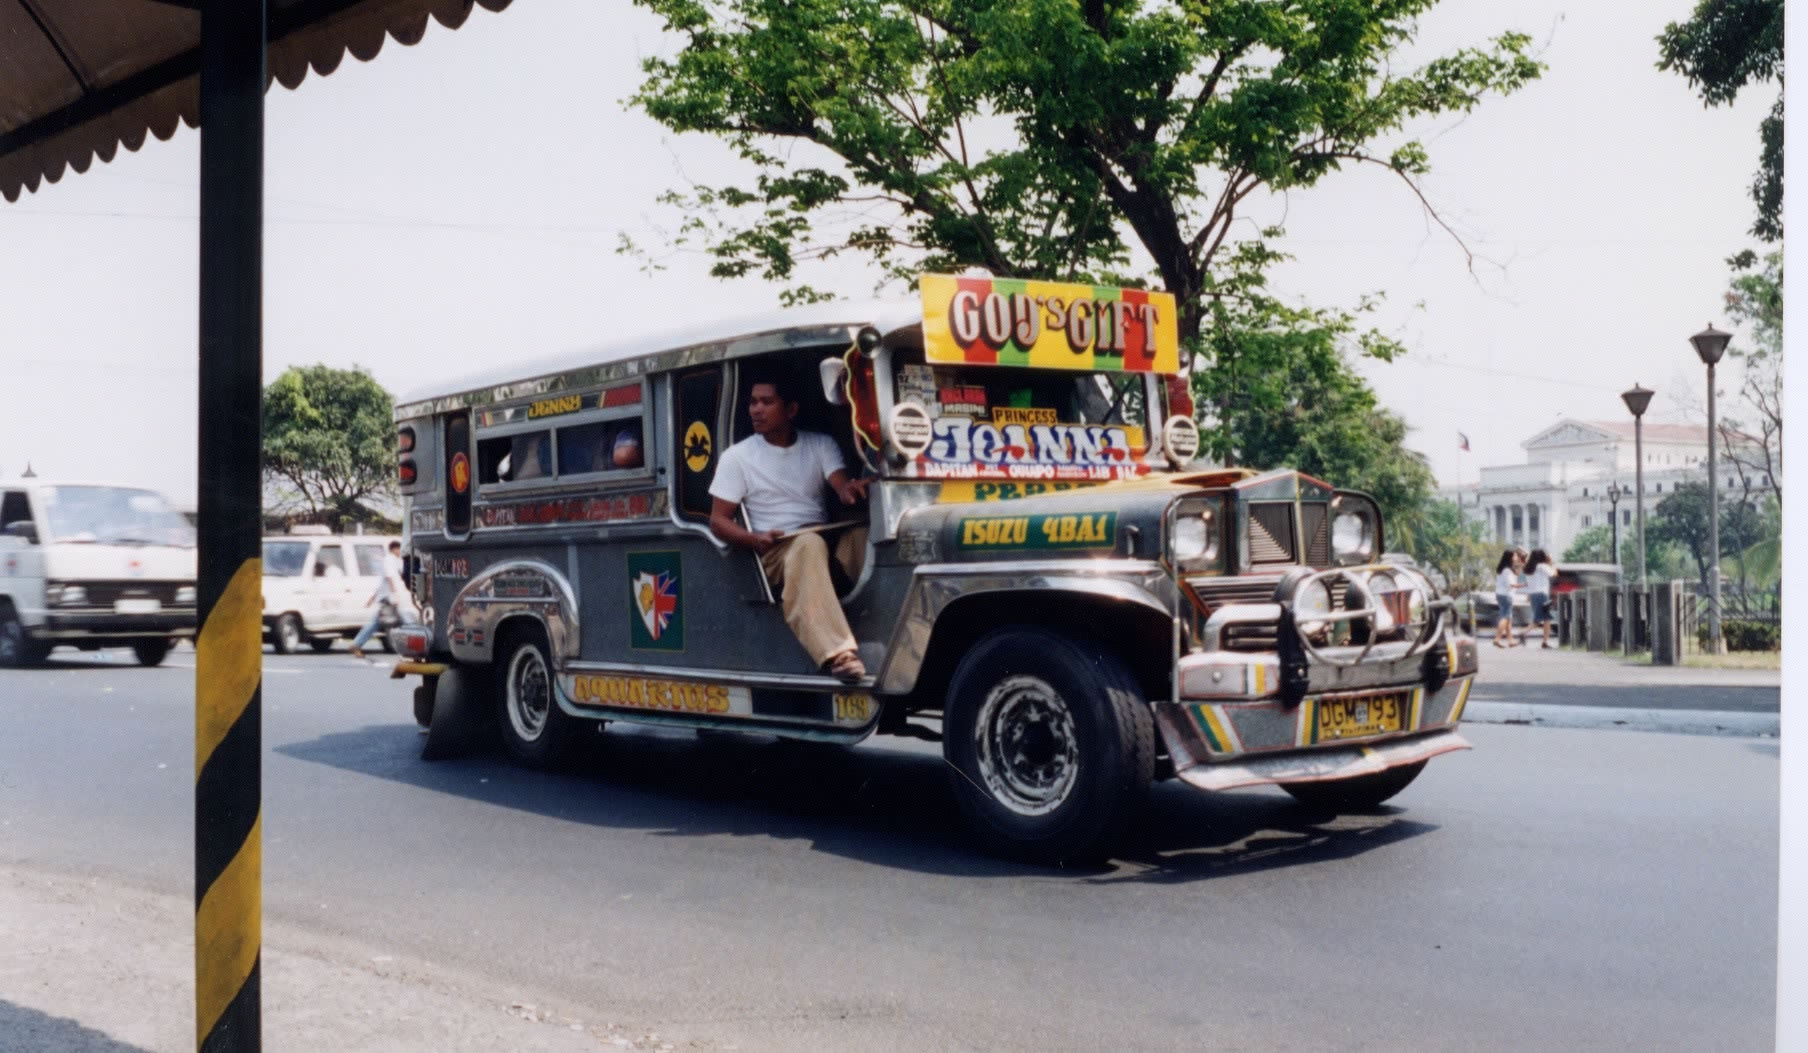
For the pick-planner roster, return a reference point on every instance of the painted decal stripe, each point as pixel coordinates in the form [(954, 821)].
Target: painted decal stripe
[(229, 655), (227, 936), (1217, 733), (1462, 698), (1418, 708)]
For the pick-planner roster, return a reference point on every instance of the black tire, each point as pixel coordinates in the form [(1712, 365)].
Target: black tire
[(423, 700), (17, 650), (535, 731), (1049, 742), (1361, 793), (460, 719), (322, 644), (151, 652), (285, 635)]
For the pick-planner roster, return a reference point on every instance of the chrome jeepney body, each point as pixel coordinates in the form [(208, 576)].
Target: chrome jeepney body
[(558, 517)]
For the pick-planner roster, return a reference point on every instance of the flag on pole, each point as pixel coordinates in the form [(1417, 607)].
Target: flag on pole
[(1462, 442)]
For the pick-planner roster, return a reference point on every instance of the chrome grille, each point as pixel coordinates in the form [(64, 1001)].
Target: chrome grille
[(1271, 532), (1214, 593), (1315, 524)]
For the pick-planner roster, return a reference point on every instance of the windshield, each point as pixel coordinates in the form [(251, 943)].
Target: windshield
[(1027, 423), (113, 515), (285, 559)]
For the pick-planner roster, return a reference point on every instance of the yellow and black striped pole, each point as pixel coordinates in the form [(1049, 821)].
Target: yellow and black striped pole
[(229, 579)]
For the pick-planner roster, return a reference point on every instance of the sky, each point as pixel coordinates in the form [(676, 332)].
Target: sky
[(461, 201)]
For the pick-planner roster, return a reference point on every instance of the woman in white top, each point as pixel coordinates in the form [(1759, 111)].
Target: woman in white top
[(1539, 571), (1506, 579)]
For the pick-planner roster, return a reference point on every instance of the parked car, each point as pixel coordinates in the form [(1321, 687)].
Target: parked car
[(316, 585)]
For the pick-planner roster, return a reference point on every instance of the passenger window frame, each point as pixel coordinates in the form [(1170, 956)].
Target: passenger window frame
[(511, 426)]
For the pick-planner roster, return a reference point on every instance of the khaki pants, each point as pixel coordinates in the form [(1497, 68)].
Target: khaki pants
[(799, 564)]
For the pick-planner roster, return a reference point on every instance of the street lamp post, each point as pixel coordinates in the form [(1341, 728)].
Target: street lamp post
[(1637, 399), (1614, 493), (1710, 344)]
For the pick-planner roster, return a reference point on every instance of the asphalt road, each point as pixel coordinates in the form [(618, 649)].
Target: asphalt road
[(1554, 889)]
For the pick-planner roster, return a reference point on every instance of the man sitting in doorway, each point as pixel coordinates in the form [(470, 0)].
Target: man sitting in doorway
[(776, 475)]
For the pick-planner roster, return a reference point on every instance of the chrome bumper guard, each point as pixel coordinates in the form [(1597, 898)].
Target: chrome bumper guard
[(1321, 763)]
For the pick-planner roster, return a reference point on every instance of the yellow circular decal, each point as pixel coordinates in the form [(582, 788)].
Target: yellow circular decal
[(697, 447)]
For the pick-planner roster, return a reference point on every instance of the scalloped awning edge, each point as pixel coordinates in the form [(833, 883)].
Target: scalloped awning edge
[(320, 45)]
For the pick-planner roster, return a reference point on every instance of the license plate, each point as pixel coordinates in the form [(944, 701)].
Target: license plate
[(133, 605), (1363, 715)]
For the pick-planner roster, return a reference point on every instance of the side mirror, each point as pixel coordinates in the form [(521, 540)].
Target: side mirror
[(23, 528)]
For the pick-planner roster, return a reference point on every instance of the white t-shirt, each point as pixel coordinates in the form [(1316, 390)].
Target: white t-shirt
[(1539, 581), (779, 487), (1505, 582)]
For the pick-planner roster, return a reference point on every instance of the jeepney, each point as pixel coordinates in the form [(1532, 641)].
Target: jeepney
[(1054, 589)]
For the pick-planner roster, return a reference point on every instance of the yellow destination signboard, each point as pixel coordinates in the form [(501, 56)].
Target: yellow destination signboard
[(1054, 325)]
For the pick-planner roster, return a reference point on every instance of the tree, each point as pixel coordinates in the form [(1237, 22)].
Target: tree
[(1681, 519), (1049, 138), (1037, 138), (1753, 445), (1453, 544), (1727, 45), (329, 443), (1288, 396)]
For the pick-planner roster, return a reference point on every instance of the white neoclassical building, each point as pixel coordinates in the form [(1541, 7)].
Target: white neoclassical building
[(1562, 488)]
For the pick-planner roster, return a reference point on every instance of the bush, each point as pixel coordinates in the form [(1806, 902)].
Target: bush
[(1744, 635)]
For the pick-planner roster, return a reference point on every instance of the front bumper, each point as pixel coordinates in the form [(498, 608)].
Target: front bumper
[(112, 625)]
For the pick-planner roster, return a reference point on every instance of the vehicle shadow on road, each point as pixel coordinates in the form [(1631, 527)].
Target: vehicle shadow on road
[(888, 806), (29, 1031)]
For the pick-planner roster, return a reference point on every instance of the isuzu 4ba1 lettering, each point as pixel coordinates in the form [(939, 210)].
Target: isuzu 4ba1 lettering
[(1052, 587)]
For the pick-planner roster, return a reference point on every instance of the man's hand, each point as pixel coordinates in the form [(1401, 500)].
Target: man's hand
[(848, 489), (763, 540)]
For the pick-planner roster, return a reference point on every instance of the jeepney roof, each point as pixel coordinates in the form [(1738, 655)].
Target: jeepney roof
[(631, 357)]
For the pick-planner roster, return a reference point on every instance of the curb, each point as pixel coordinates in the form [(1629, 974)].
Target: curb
[(1683, 721)]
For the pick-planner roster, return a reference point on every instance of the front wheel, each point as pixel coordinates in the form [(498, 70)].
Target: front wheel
[(535, 730), (17, 650), (1049, 743), (151, 652), (1361, 793), (285, 636)]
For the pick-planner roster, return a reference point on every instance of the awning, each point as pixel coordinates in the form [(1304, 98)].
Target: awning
[(78, 78)]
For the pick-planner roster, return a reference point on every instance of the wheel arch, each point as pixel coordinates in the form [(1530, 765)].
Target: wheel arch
[(505, 594), (1138, 634)]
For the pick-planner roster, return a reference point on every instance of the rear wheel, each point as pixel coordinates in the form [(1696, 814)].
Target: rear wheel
[(535, 730), (1359, 794), (285, 636), (151, 652), (1050, 744)]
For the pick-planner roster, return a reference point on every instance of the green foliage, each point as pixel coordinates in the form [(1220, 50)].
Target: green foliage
[(1038, 138), (1284, 394), (1681, 519), (1450, 542), (329, 442), (1594, 545), (1751, 432), (1725, 46), (1744, 635)]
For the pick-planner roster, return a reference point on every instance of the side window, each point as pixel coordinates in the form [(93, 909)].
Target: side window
[(582, 438), (370, 560), (699, 397), (329, 562), (15, 507)]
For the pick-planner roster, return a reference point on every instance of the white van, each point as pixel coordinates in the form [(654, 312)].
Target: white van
[(92, 565), (316, 587)]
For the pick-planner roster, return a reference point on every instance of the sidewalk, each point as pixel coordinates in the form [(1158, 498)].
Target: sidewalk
[(91, 966), (1532, 664)]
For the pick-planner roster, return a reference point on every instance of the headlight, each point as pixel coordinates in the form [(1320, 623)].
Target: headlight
[(1312, 604), (185, 594), (58, 595), (1388, 600), (1193, 541), (1352, 538)]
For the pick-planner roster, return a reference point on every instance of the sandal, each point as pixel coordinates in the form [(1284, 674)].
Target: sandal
[(846, 667)]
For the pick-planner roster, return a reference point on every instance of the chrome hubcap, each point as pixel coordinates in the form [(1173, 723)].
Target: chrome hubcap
[(1029, 755), (529, 694)]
